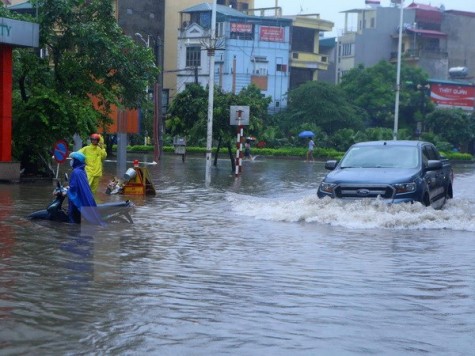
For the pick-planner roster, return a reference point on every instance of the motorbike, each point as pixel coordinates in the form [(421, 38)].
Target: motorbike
[(114, 212)]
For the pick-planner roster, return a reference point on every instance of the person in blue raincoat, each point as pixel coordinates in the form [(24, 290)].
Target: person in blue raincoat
[(81, 199)]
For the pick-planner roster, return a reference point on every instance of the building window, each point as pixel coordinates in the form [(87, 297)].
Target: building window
[(193, 56), (281, 68), (346, 49), (220, 29), (260, 70)]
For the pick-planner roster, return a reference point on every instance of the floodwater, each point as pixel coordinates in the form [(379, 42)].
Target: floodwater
[(249, 266)]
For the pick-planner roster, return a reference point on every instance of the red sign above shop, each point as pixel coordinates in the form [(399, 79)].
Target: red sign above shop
[(453, 95), (241, 27), (272, 34)]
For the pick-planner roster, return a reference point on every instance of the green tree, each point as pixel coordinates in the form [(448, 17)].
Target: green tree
[(323, 106), (455, 125), (373, 90), (188, 115), (88, 55)]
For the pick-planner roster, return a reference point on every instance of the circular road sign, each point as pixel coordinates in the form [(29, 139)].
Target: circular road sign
[(60, 152)]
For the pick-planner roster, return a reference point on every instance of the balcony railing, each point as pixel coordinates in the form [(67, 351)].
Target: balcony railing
[(308, 60), (434, 53)]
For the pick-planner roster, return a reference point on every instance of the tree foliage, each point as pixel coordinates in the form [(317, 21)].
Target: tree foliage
[(322, 106), (188, 113), (373, 90), (87, 55), (455, 125)]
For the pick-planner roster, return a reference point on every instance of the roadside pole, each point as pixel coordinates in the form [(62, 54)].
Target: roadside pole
[(239, 116), (209, 136)]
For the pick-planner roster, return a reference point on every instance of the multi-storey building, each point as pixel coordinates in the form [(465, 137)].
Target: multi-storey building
[(328, 48), (432, 39), (145, 17), (306, 59), (276, 53), (172, 28), (459, 25), (252, 50)]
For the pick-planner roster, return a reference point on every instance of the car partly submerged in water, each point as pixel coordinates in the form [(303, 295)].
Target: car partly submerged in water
[(395, 171)]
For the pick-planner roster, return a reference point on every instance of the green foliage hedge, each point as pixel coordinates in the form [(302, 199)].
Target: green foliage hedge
[(457, 156), (324, 153), (321, 153)]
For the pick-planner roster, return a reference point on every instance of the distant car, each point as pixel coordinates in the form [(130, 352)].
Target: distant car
[(395, 171)]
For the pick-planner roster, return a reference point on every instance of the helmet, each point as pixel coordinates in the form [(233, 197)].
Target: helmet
[(79, 156), (95, 137)]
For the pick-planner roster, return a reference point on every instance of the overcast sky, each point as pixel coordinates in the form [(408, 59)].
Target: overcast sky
[(330, 9)]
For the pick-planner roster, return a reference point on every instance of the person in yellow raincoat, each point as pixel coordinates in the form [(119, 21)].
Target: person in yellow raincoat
[(95, 154)]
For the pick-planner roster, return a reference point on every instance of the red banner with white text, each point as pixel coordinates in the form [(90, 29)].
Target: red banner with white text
[(453, 95)]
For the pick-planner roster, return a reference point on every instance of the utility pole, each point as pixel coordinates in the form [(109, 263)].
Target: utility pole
[(398, 75), (211, 52), (157, 96)]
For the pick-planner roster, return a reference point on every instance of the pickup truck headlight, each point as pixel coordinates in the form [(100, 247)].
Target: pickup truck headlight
[(405, 188), (327, 187)]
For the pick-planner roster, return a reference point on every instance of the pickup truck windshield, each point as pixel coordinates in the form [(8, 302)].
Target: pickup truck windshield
[(381, 157)]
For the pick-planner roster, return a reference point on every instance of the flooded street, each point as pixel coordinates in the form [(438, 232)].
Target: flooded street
[(250, 266)]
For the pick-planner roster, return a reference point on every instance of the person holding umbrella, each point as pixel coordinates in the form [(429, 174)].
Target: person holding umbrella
[(311, 143), (311, 146)]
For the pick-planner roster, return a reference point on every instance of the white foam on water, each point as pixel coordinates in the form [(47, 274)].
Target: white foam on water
[(457, 214)]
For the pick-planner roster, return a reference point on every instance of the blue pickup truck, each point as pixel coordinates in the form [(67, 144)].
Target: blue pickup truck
[(396, 171)]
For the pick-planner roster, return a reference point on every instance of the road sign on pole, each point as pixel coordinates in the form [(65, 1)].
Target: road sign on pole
[(239, 115), (60, 151)]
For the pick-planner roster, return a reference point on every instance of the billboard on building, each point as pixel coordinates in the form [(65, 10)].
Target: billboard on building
[(241, 27), (453, 95), (242, 31), (272, 34)]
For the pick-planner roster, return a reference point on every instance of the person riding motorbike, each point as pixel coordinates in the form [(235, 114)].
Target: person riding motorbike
[(81, 199), (95, 154)]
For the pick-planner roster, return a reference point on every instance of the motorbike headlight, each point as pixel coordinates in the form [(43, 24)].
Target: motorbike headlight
[(327, 187), (405, 187)]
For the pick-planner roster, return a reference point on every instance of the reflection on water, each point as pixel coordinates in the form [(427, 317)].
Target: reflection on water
[(251, 265)]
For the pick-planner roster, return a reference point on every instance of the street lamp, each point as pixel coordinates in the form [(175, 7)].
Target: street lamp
[(157, 98)]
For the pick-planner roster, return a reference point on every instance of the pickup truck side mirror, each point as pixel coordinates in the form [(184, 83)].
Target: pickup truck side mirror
[(433, 165), (331, 164)]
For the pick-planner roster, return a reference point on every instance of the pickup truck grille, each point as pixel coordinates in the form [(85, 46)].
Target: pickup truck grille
[(364, 191)]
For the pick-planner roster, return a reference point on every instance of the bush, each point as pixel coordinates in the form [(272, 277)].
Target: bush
[(321, 153), (457, 156)]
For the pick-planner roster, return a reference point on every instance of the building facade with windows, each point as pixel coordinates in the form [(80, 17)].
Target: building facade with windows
[(251, 50), (433, 39), (171, 34), (306, 58)]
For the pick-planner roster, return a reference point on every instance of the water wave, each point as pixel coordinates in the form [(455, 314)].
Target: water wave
[(457, 214)]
